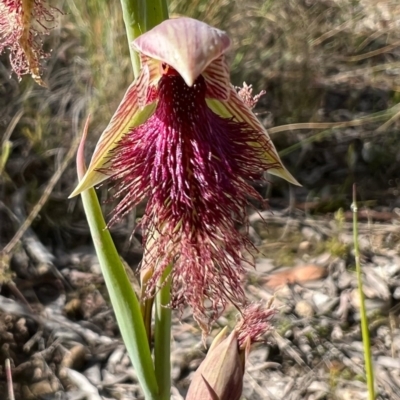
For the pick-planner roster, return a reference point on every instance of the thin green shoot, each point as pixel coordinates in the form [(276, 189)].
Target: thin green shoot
[(364, 320)]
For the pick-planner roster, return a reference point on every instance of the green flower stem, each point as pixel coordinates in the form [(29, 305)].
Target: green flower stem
[(134, 14), (139, 17), (146, 308), (364, 320), (162, 336), (123, 298), (157, 12)]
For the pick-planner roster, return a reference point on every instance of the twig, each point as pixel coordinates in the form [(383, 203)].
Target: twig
[(83, 384), (49, 188), (11, 126), (373, 53), (315, 125), (264, 393), (329, 34), (9, 380), (389, 122), (17, 293), (289, 348), (32, 341)]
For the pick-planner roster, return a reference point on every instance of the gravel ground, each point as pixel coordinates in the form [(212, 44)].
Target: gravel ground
[(59, 332)]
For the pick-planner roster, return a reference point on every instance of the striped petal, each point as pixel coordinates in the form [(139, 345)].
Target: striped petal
[(218, 79), (187, 45), (135, 108), (223, 99), (234, 107)]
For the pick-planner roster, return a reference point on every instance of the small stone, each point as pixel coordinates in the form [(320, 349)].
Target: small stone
[(320, 299), (372, 305), (311, 234), (323, 259), (286, 309), (393, 269), (318, 386), (93, 374), (396, 293), (288, 334), (345, 280), (41, 388), (265, 265), (383, 332), (176, 372), (304, 309), (304, 246), (75, 357), (337, 333), (351, 394), (258, 355), (283, 293), (388, 362)]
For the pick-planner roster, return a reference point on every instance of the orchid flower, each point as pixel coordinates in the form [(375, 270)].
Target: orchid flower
[(185, 140), (22, 24)]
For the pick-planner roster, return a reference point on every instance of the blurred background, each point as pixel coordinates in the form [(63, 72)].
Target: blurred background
[(331, 72), (330, 69)]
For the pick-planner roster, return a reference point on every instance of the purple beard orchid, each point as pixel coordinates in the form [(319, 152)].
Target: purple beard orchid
[(22, 24), (185, 140)]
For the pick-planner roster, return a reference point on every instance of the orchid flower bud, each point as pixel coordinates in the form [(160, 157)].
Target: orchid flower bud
[(220, 375)]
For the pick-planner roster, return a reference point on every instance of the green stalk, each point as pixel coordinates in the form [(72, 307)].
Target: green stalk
[(157, 12), (364, 320), (134, 14), (162, 336), (139, 17), (123, 299)]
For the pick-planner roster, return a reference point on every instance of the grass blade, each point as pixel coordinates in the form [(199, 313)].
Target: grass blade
[(364, 320)]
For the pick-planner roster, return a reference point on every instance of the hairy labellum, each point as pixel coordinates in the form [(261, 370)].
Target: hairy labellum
[(192, 165), (185, 140)]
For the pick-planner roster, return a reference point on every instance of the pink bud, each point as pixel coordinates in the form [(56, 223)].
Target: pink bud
[(220, 375)]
